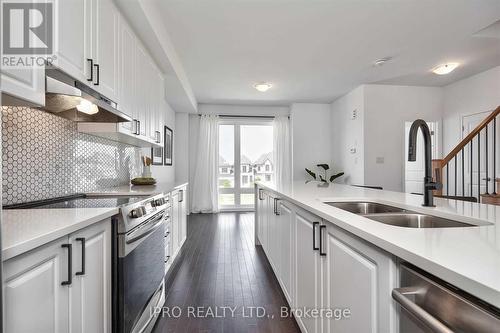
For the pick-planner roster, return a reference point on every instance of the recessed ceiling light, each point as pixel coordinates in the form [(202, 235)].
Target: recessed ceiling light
[(445, 68), (381, 61), (263, 86)]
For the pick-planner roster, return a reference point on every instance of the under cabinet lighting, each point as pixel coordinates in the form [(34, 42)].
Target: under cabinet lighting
[(87, 107)]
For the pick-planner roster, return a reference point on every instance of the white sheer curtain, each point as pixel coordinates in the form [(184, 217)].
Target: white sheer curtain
[(282, 152), (205, 189)]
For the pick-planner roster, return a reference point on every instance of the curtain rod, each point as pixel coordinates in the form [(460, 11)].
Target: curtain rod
[(240, 116)]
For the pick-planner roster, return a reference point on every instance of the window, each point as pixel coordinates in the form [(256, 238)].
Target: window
[(244, 149), (268, 167)]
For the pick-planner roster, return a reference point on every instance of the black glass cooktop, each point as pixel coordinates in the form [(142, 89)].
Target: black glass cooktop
[(78, 201)]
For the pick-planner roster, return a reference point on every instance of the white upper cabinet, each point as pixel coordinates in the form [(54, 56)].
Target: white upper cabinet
[(27, 84), (127, 82), (105, 48), (73, 44)]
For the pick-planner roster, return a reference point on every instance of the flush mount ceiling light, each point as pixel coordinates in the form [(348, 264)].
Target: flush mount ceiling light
[(263, 86), (445, 68), (381, 61)]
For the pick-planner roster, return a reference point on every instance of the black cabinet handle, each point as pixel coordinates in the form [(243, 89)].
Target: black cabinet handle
[(138, 127), (82, 240), (276, 211), (97, 74), (321, 228), (315, 248), (91, 69), (181, 195), (70, 265), (261, 191)]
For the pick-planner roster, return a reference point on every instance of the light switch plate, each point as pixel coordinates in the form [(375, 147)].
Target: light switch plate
[(380, 160)]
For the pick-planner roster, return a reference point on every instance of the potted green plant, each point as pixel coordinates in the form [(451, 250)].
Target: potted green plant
[(323, 179)]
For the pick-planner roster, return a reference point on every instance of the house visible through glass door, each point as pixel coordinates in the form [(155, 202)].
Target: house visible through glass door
[(245, 156)]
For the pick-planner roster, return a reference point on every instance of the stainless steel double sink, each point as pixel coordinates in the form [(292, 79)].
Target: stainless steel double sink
[(397, 216)]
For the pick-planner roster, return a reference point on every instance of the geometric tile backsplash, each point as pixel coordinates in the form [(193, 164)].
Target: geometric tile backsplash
[(43, 156)]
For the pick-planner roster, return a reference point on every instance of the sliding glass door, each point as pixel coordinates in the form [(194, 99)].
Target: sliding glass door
[(245, 156)]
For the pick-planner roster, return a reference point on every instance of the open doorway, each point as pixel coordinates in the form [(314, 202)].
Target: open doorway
[(245, 156)]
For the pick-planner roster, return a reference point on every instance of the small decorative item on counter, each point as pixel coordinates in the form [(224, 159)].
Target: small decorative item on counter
[(324, 181), (146, 178), (143, 181)]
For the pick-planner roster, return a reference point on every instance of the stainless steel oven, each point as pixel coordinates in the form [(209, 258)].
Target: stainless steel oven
[(429, 305), (139, 264)]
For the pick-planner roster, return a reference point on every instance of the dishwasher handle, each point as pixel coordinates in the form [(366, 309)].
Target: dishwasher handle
[(400, 296)]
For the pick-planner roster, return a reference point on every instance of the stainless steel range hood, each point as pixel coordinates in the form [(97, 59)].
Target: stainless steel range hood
[(71, 99)]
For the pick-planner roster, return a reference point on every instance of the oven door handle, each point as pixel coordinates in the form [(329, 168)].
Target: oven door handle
[(147, 231)]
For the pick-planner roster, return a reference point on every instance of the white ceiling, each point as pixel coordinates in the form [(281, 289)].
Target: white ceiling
[(315, 51)]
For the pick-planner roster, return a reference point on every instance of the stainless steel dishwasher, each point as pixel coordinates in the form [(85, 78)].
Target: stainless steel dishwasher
[(432, 306)]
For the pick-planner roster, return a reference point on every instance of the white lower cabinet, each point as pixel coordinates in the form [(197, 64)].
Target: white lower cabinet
[(178, 220), (41, 286), (321, 266), (308, 270), (32, 290), (90, 293), (358, 278)]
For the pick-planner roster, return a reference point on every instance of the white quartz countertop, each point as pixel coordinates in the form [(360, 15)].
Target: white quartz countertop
[(468, 257), (141, 190), (26, 229)]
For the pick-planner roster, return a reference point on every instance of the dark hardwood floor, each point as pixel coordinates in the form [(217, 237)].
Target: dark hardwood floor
[(221, 267)]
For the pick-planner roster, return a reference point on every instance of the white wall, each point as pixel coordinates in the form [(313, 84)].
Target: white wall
[(478, 93), (164, 174), (387, 108), (181, 143), (243, 110), (370, 148), (311, 137), (347, 134)]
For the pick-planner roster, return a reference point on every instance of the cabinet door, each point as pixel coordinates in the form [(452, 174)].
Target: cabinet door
[(307, 268), (183, 214), (73, 45), (142, 85), (27, 84), (286, 230), (175, 222), (106, 55), (358, 277), (90, 294), (35, 300), (127, 100)]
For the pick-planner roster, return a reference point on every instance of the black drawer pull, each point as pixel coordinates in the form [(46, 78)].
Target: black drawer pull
[(97, 74), (321, 228), (70, 265), (91, 70), (82, 240), (315, 248)]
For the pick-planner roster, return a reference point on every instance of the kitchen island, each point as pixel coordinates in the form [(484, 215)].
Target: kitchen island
[(465, 257)]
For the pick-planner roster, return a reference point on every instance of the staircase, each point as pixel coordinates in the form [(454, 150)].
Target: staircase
[(470, 170)]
